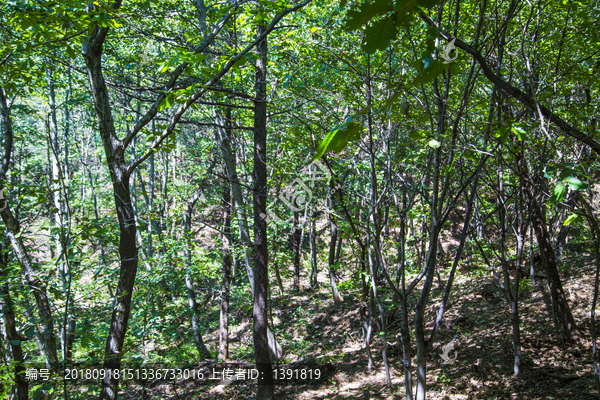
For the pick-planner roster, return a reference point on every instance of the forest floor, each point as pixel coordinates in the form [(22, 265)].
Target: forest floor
[(311, 329)]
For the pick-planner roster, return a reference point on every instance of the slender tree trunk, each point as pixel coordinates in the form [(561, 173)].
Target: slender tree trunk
[(224, 139), (128, 252), (21, 387), (374, 220), (559, 300), (296, 236), (58, 206), (313, 251), (46, 335), (224, 316), (189, 282), (265, 390), (61, 217), (276, 268), (511, 298), (337, 298), (592, 221)]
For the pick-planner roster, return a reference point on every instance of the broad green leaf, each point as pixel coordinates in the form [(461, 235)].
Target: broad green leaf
[(416, 135), (379, 34), (502, 134), (520, 132), (350, 132), (428, 69), (575, 183), (322, 147), (15, 342), (357, 18), (549, 171), (573, 218), (337, 139)]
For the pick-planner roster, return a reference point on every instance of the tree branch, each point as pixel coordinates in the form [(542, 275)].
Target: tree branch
[(181, 110), (517, 94)]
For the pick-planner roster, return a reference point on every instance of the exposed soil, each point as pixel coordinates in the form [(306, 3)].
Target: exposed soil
[(312, 330)]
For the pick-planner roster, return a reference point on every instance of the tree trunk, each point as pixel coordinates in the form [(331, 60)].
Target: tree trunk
[(58, 206), (128, 252), (45, 337), (559, 300), (265, 390), (313, 251), (296, 236), (189, 282), (21, 389), (224, 321), (224, 138), (60, 213), (511, 298), (337, 298)]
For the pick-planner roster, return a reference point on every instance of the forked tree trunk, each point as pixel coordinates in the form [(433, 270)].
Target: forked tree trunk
[(265, 389), (119, 173), (45, 336)]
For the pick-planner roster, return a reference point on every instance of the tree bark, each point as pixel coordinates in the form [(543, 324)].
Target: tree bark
[(223, 136), (45, 338), (224, 316), (21, 389), (114, 150), (296, 236), (265, 388), (189, 282), (337, 298), (313, 250), (559, 300)]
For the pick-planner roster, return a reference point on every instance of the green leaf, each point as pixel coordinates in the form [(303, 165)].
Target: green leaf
[(163, 67), (502, 134), (428, 69), (559, 193), (520, 132), (416, 135), (575, 183), (351, 131), (434, 143), (15, 342), (573, 218), (357, 18), (337, 139), (379, 34), (548, 171)]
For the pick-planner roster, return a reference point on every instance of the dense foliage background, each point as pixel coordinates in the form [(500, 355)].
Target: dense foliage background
[(266, 182)]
